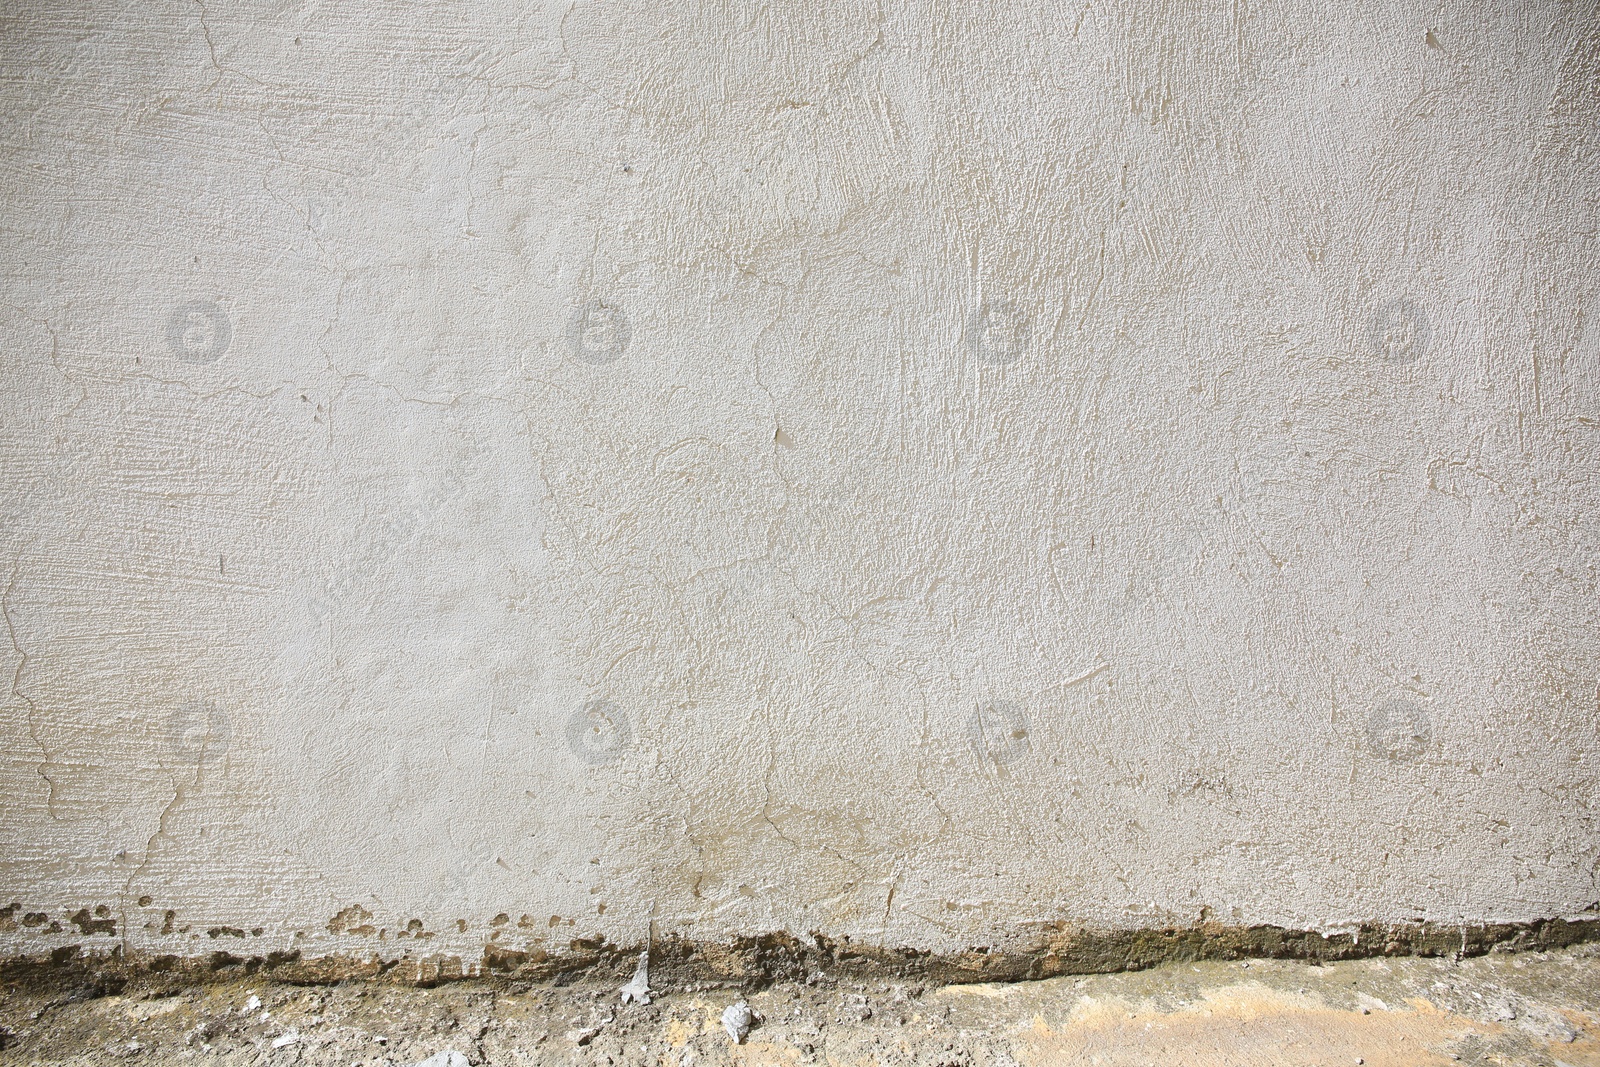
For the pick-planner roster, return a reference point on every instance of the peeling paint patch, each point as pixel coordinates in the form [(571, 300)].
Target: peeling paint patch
[(100, 923)]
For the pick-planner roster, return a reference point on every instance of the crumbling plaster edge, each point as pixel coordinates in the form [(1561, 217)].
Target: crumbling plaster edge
[(756, 962)]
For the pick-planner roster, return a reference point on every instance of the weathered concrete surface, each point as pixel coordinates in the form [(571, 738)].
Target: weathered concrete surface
[(511, 473), (1529, 1009)]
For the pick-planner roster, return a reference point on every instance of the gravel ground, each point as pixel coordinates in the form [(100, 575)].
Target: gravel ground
[(1522, 1008)]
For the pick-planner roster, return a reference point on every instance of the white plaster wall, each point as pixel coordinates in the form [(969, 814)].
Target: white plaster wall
[(971, 464)]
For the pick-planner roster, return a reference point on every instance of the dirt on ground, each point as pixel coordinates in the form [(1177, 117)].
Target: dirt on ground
[(1540, 1008)]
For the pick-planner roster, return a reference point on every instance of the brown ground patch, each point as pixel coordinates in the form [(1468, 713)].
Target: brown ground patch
[(1247, 1025), (1500, 1010)]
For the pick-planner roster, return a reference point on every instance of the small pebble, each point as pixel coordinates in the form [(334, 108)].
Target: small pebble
[(737, 1020)]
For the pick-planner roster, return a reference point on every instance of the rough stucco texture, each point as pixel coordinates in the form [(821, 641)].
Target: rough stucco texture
[(910, 471)]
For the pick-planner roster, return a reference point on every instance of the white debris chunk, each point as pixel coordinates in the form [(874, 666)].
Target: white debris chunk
[(737, 1020), (638, 990), (253, 1004), (448, 1058), (287, 1039)]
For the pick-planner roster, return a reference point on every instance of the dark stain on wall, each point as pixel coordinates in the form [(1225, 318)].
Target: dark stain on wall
[(101, 923)]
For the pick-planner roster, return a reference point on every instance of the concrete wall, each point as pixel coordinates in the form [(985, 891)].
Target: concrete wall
[(911, 471)]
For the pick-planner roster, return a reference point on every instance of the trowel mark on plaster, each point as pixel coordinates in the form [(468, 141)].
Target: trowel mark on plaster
[(198, 332)]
